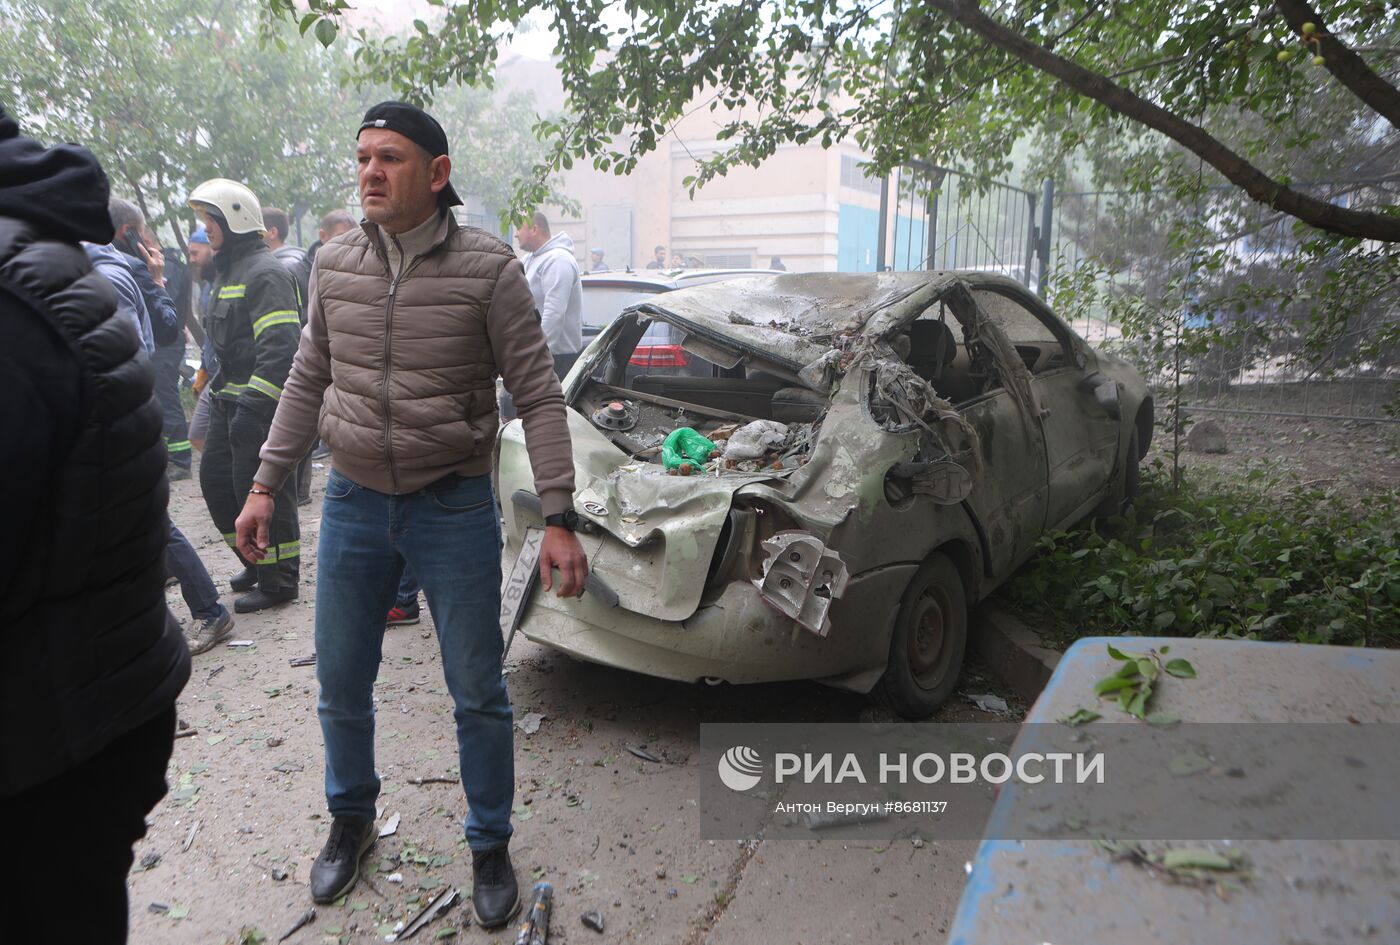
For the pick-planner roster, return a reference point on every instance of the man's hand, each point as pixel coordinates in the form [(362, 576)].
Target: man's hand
[(252, 526), (560, 549), (155, 262)]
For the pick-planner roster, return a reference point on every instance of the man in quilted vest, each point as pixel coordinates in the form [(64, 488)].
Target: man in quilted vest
[(411, 318)]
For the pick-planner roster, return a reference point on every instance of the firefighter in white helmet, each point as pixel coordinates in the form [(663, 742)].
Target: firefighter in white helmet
[(254, 327)]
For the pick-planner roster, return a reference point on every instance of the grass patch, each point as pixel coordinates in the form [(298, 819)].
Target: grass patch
[(1253, 558)]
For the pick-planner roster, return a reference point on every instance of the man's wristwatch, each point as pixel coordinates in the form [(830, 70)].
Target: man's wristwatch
[(567, 520)]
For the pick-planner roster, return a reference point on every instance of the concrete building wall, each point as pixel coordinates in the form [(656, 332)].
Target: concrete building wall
[(789, 207)]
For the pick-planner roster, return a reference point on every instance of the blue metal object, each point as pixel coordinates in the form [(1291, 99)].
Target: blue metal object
[(1071, 892)]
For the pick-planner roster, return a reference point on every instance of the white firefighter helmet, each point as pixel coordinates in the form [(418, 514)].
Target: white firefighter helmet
[(232, 201)]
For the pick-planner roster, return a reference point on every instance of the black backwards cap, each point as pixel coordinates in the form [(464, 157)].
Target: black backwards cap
[(417, 126)]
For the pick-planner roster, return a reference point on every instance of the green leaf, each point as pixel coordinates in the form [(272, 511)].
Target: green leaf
[(1198, 858), (1180, 668), (689, 879), (1138, 705), (1081, 717), (306, 22), (326, 31), (1112, 684), (178, 912)]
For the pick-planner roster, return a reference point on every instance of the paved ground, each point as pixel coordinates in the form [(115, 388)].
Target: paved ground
[(613, 832)]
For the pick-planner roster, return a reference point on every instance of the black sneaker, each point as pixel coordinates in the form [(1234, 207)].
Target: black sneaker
[(495, 894), (338, 867), (259, 599), (243, 583)]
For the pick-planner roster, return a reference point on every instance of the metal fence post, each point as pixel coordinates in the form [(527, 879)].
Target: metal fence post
[(1047, 214), (882, 241)]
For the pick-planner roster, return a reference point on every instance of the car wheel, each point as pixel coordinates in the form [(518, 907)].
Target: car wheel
[(928, 643), (1125, 489)]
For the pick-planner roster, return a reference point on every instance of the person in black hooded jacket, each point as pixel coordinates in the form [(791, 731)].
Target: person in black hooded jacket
[(93, 660)]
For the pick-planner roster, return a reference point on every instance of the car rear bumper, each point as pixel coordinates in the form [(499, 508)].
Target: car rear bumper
[(736, 637)]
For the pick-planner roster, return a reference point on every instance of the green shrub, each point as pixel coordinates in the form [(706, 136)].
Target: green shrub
[(1251, 558)]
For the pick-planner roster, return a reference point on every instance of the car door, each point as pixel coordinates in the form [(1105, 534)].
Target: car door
[(1008, 499), (1081, 439)]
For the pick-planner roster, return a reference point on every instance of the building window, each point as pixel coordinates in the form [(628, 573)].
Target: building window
[(853, 175)]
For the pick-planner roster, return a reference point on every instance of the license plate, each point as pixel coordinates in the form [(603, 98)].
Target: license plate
[(523, 577)]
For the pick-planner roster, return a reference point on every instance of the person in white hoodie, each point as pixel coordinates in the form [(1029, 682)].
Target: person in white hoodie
[(553, 274)]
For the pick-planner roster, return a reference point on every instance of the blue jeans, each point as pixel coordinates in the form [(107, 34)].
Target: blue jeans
[(184, 564), (407, 596), (450, 535)]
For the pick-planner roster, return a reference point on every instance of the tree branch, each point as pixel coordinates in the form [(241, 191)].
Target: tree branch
[(1260, 186), (1349, 68)]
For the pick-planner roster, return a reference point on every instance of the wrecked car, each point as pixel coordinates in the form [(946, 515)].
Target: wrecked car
[(868, 457)]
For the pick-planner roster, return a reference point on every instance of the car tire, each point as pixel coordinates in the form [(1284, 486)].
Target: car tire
[(928, 642), (1126, 487)]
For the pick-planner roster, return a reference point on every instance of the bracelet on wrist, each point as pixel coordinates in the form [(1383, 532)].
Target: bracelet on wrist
[(256, 491)]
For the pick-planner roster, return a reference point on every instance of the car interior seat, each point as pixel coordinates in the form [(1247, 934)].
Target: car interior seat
[(932, 347)]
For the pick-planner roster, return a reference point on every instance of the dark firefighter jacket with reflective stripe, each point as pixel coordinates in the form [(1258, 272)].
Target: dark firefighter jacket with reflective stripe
[(253, 324)]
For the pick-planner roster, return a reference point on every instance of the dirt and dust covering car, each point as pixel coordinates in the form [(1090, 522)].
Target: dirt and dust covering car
[(888, 448)]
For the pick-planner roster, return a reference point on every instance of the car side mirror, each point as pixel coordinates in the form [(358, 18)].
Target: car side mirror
[(1105, 392), (1107, 396)]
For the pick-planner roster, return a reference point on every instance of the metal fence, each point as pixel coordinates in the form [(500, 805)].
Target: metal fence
[(1205, 294), (938, 218), (1222, 282)]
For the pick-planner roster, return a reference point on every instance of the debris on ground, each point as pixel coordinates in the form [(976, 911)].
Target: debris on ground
[(645, 755), (437, 906), (593, 920), (530, 724), (279, 874), (189, 839), (1201, 867), (150, 860), (988, 702), (1206, 436), (303, 661), (240, 644), (391, 826), (305, 919), (534, 930)]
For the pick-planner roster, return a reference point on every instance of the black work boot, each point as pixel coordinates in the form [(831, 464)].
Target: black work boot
[(338, 867), (242, 583), (259, 599), (495, 895)]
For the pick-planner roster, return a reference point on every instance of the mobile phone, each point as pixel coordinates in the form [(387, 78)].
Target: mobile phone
[(134, 244)]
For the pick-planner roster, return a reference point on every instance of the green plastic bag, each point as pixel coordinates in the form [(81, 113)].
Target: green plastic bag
[(684, 446)]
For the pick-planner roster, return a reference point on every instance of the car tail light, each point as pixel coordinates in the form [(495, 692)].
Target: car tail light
[(659, 356)]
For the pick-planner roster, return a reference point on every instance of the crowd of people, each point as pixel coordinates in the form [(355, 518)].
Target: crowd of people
[(377, 348)]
